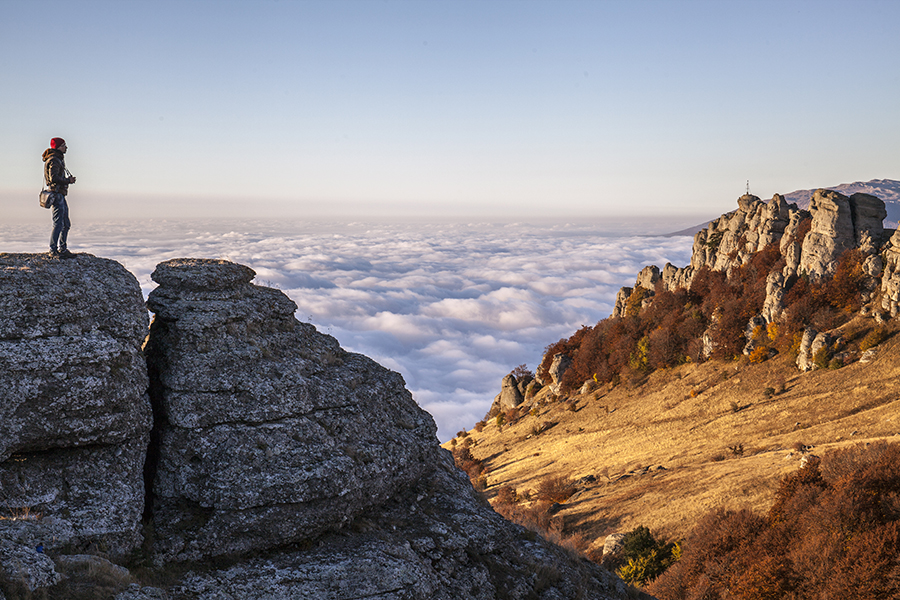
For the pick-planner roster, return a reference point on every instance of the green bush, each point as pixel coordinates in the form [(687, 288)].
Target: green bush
[(646, 558)]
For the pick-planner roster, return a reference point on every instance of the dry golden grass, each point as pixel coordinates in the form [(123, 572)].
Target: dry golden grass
[(720, 439)]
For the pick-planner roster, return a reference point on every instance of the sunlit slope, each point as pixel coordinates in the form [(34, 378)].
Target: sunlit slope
[(663, 451)]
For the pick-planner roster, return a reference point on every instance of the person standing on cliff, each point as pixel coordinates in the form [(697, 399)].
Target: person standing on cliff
[(58, 180)]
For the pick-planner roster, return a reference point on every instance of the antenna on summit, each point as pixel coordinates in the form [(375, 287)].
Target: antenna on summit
[(748, 187)]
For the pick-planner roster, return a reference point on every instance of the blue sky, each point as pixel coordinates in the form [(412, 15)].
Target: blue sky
[(518, 110)]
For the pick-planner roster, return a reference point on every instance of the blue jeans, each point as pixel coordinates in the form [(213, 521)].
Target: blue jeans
[(61, 224)]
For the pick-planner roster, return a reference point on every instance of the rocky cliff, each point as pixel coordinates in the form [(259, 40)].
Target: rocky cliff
[(74, 411), (303, 469)]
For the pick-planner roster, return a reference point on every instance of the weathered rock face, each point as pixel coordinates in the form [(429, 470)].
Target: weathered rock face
[(74, 411), (558, 368), (270, 433), (432, 541), (890, 280), (839, 224), (732, 239), (510, 395)]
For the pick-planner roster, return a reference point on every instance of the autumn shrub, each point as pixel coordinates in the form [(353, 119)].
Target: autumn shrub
[(506, 495), (535, 516), (555, 489), (821, 358), (873, 338), (462, 456), (833, 531), (759, 354), (635, 300), (522, 372)]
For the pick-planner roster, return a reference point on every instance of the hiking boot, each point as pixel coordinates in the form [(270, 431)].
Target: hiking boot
[(54, 254), (65, 254)]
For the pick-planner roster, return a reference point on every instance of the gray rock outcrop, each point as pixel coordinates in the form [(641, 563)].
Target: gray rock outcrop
[(621, 303), (731, 240), (74, 411), (890, 279), (558, 368), (839, 224), (22, 565), (433, 541), (270, 433), (510, 395)]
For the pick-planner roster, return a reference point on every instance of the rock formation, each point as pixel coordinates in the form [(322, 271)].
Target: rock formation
[(810, 244), (269, 432), (839, 224), (890, 280), (74, 411)]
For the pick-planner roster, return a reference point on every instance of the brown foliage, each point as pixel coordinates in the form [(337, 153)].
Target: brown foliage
[(555, 489), (464, 459), (669, 330), (832, 533)]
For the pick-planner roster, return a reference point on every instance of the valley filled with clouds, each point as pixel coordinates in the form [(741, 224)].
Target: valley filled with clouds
[(452, 307)]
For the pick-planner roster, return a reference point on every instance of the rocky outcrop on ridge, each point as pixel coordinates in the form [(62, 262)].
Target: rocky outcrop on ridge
[(840, 224), (74, 411), (269, 432), (799, 243), (810, 242)]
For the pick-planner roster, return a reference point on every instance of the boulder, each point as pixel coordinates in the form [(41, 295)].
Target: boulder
[(804, 356), (831, 233), (74, 411), (613, 547), (269, 433), (648, 277), (890, 279), (868, 213), (621, 306), (71, 369), (754, 333), (840, 224), (510, 396), (558, 368), (25, 566), (773, 305)]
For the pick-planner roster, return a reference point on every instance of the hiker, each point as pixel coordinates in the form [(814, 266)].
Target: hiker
[(58, 178)]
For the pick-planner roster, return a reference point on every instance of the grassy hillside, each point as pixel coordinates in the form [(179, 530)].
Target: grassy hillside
[(664, 449)]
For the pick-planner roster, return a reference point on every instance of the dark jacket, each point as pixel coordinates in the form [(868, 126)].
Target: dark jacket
[(55, 175)]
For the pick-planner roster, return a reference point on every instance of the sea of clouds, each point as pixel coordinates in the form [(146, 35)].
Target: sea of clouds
[(452, 307)]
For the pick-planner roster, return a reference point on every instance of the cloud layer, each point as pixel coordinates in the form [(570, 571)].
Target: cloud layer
[(453, 308)]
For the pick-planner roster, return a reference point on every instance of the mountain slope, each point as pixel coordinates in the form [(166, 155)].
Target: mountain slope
[(665, 451)]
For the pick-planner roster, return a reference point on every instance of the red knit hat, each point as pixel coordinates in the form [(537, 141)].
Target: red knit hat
[(57, 142)]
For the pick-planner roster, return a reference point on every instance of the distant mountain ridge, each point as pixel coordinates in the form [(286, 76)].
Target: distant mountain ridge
[(887, 190)]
